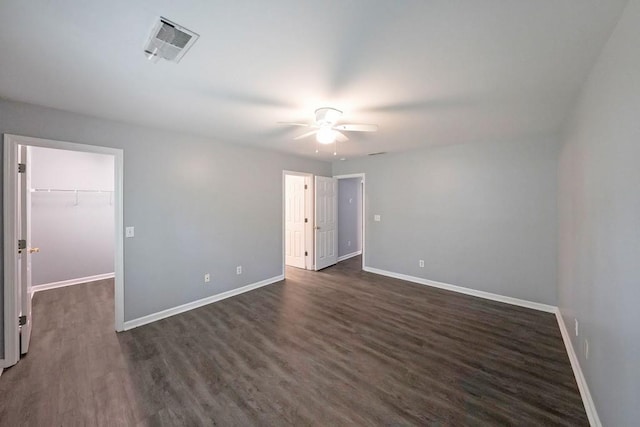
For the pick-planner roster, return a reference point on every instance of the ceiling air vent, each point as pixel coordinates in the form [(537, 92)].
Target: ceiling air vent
[(169, 41)]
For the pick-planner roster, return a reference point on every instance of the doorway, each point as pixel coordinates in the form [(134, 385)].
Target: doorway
[(50, 199), (71, 217), (321, 222), (351, 216)]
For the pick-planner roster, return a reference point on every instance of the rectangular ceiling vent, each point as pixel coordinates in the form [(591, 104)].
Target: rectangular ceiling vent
[(169, 41)]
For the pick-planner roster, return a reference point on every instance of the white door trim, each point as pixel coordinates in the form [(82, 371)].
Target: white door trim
[(308, 200), (364, 207), (11, 143)]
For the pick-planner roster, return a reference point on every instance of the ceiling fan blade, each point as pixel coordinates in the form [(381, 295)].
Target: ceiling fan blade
[(341, 137), (352, 127), (304, 135), (294, 124)]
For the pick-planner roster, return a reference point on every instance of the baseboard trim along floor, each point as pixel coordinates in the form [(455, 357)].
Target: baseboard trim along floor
[(587, 400), (71, 282), (577, 371), (463, 290), (347, 256), (198, 303)]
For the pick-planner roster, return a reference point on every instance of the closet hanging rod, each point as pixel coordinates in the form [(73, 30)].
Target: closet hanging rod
[(51, 190)]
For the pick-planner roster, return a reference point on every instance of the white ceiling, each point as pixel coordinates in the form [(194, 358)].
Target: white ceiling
[(427, 72)]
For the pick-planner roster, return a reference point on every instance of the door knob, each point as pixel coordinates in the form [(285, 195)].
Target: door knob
[(34, 250)]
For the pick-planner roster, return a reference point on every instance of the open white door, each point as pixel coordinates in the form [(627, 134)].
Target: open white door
[(25, 250), (326, 222), (294, 221)]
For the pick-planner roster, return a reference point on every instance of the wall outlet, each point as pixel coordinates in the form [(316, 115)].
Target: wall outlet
[(376, 218), (421, 263), (586, 349), (207, 278), (129, 232), (577, 325), (239, 269)]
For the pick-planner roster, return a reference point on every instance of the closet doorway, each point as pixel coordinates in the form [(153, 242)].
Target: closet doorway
[(72, 217), (63, 208)]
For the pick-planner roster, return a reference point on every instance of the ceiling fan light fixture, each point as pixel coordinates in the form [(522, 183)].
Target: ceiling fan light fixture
[(326, 135)]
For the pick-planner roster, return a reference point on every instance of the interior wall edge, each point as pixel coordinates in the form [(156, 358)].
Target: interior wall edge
[(583, 387)]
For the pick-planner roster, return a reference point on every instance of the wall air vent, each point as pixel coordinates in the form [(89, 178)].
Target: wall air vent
[(169, 41)]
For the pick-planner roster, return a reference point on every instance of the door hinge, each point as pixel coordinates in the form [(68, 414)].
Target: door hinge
[(306, 220), (22, 244), (305, 186), (306, 253), (22, 320), (22, 167)]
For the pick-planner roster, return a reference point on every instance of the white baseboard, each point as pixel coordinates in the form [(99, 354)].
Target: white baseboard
[(72, 282), (347, 256), (198, 303), (463, 290), (587, 400)]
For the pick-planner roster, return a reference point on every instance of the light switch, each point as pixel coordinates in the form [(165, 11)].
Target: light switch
[(376, 218), (129, 232)]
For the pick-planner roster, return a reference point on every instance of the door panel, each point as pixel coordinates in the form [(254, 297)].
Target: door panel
[(24, 257), (326, 210), (294, 221)]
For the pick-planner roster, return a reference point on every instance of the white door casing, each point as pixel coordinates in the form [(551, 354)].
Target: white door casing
[(294, 221), (326, 222), (13, 306)]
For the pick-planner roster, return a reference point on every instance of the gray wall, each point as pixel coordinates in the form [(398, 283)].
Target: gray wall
[(349, 216), (75, 240), (599, 198), (482, 216), (198, 205)]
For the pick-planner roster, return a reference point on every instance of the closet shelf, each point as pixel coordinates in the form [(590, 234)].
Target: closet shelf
[(75, 192), (52, 190)]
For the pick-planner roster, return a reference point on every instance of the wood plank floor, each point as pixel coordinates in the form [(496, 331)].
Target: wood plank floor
[(336, 347)]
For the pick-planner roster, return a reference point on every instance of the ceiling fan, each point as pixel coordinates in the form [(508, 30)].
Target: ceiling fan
[(325, 128)]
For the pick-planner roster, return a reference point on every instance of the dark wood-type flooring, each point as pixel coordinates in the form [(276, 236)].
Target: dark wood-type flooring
[(336, 347)]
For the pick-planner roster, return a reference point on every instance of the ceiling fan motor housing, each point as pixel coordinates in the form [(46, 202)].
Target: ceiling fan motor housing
[(327, 116)]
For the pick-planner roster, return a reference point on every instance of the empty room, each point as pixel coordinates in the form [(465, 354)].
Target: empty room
[(356, 212)]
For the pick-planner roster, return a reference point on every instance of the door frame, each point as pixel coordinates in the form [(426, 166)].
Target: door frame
[(308, 209), (364, 207), (10, 212)]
